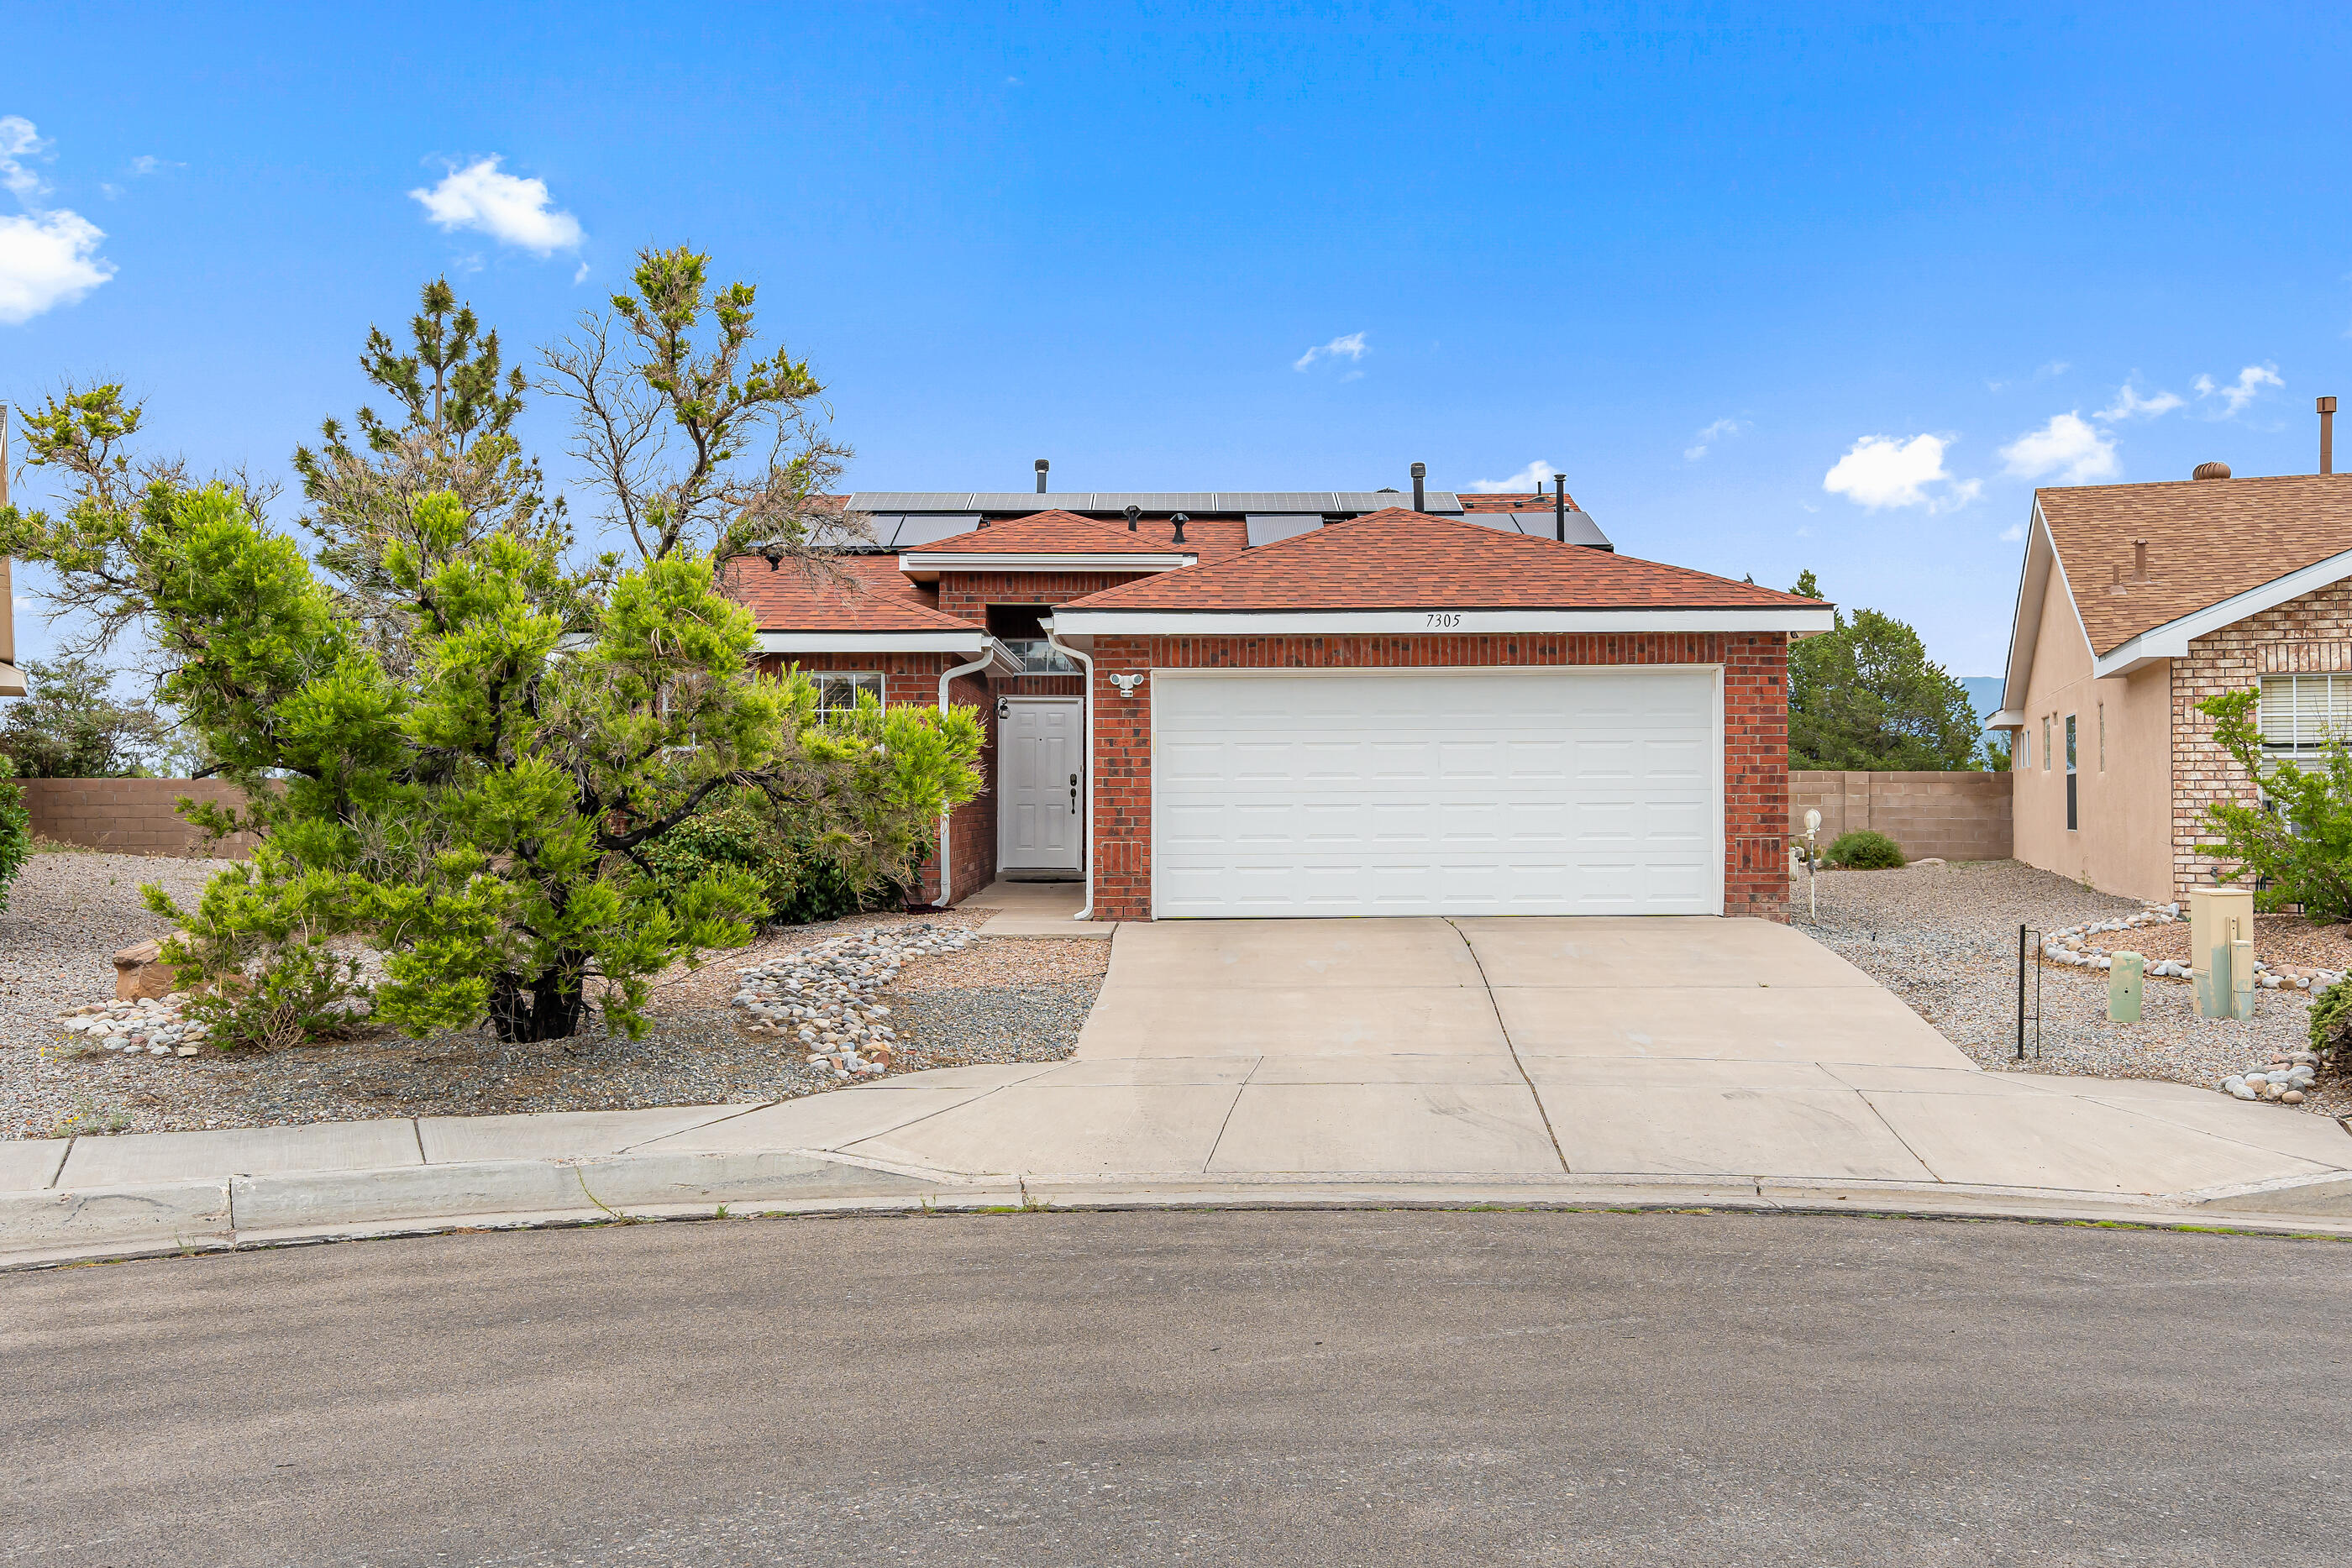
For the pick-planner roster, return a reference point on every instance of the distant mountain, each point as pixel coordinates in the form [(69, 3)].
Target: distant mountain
[(1984, 691)]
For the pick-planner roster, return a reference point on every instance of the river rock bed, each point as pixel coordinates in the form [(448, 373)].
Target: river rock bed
[(822, 998)]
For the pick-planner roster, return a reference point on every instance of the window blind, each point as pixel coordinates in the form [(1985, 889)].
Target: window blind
[(2304, 712)]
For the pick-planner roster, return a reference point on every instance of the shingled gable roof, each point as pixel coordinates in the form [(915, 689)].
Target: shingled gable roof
[(848, 593), (2208, 541), (1056, 533), (1399, 559)]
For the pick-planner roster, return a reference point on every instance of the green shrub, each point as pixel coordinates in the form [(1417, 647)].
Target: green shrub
[(2294, 841), (804, 878), (296, 991), (2331, 1022), (1863, 849), (15, 830)]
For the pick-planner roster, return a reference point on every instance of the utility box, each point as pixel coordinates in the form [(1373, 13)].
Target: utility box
[(2219, 917)]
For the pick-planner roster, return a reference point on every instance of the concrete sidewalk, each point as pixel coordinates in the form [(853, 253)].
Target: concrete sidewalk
[(1615, 1062)]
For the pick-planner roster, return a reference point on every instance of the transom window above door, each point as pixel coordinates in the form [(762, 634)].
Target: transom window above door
[(1020, 628), (2303, 713), (837, 691)]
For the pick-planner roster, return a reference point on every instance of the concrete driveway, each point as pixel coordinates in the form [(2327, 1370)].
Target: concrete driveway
[(1542, 1047)]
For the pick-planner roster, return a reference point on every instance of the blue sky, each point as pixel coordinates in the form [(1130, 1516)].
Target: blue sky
[(1775, 290)]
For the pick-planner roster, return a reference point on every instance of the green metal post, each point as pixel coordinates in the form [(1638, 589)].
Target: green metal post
[(2124, 979)]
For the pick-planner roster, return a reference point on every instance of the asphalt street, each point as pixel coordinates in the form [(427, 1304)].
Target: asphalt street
[(1038, 1389)]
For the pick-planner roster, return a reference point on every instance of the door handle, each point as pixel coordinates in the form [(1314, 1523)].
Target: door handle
[(1074, 792)]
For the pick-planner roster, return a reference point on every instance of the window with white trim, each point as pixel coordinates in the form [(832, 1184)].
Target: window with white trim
[(2303, 713), (837, 690), (2045, 742)]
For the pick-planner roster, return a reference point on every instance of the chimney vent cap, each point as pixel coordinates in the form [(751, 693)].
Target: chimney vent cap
[(2211, 471)]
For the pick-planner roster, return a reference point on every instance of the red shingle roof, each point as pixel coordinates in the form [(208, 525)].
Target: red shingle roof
[(1058, 533), (849, 593), (2208, 541), (1397, 560)]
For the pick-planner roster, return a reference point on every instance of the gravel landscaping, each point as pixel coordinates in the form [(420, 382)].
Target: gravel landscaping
[(997, 1000), (1944, 938)]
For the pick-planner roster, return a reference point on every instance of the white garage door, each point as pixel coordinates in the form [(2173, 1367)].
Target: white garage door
[(1589, 791)]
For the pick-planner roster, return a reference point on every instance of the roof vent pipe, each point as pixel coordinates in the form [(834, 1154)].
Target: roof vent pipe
[(1420, 471), (1559, 507), (1042, 466), (1179, 519), (2139, 560), (2211, 471), (2327, 435), (1133, 513)]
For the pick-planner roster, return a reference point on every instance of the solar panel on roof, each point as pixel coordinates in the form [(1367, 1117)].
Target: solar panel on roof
[(1108, 503), (1581, 529), (914, 532), (1264, 528)]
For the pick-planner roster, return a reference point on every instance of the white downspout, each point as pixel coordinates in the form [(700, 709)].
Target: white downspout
[(947, 817), (1086, 709)]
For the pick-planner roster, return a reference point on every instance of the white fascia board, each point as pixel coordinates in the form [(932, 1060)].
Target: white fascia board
[(965, 642), (1071, 619), (1099, 561), (2025, 619), (2171, 640), (2007, 719)]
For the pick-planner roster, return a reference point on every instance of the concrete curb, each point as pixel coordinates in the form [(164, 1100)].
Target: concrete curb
[(46, 1229)]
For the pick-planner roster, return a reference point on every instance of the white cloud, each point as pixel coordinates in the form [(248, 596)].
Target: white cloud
[(2249, 382), (1709, 437), (1536, 476), (19, 140), (2067, 446), (47, 258), (2011, 534), (2129, 404), (1881, 471), (2054, 368), (511, 210), (145, 163), (1349, 347), (582, 275)]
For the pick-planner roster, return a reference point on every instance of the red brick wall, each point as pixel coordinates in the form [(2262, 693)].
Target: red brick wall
[(1755, 723), (915, 678), (968, 594)]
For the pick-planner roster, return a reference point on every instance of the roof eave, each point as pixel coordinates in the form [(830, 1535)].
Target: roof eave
[(1111, 622), (821, 640), (925, 566), (2171, 640)]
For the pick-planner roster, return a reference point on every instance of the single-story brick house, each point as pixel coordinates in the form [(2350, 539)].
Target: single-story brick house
[(2137, 601), (1321, 704)]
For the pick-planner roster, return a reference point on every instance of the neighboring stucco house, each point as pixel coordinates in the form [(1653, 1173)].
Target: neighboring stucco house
[(1320, 704), (2137, 602)]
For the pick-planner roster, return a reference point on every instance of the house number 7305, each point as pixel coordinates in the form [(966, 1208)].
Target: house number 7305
[(1444, 619)]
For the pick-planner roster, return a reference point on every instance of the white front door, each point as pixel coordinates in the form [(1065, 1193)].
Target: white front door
[(1040, 785), (1581, 790)]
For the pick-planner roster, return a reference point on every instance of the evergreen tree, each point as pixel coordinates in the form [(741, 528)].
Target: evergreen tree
[(1865, 698), (455, 404)]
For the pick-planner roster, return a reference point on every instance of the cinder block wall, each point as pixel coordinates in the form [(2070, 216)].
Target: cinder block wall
[(129, 816), (1953, 816)]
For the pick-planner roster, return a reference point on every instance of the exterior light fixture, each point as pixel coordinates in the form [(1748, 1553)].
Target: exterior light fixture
[(1127, 682)]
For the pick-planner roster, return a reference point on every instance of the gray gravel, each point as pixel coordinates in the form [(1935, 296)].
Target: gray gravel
[(70, 912), (1944, 938), (67, 915)]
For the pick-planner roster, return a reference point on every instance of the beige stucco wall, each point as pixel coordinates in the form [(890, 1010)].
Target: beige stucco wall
[(2123, 842)]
